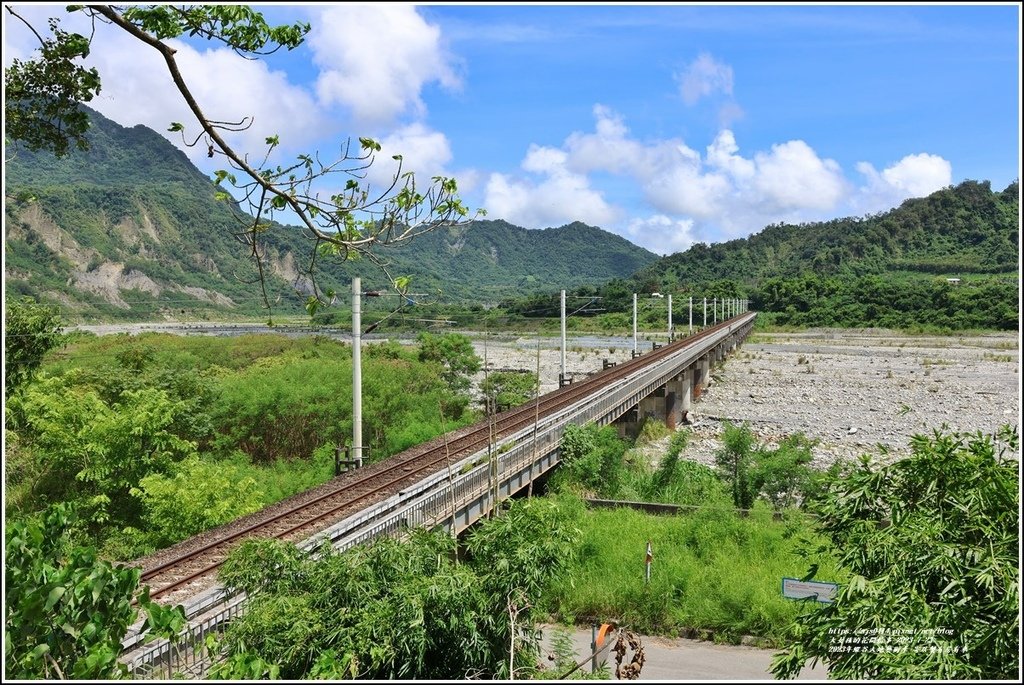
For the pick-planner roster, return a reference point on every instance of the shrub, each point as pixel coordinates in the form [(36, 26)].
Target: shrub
[(932, 545)]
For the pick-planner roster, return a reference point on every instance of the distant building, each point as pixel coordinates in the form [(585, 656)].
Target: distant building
[(657, 295), (953, 281)]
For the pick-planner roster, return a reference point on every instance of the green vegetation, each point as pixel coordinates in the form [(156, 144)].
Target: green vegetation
[(956, 231), (591, 460), (408, 610), (455, 353), (156, 437), (887, 270), (30, 331), (932, 546), (66, 610), (781, 476), (506, 389), (925, 304), (714, 573)]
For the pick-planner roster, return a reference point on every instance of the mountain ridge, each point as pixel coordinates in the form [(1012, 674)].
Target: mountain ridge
[(131, 230)]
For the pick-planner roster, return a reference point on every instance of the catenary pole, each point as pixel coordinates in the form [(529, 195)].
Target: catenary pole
[(357, 371)]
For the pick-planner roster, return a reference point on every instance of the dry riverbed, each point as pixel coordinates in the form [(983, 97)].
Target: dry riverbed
[(855, 392)]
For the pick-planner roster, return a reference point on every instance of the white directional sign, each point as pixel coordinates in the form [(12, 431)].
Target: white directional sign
[(794, 588)]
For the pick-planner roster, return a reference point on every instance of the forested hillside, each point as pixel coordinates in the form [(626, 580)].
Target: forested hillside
[(131, 230), (967, 229), (949, 261)]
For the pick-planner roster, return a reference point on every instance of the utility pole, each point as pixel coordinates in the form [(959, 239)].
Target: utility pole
[(357, 371), (670, 317), (714, 310), (634, 324), (705, 312), (561, 377), (691, 314)]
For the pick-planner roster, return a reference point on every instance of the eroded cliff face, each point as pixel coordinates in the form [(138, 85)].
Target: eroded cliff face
[(107, 278)]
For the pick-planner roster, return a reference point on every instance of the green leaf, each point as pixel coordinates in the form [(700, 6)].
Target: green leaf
[(97, 587), (175, 127), (369, 144), (54, 597)]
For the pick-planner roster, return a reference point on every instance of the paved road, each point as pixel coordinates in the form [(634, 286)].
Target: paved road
[(681, 659)]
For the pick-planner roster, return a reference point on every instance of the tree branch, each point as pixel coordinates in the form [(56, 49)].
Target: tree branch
[(25, 22)]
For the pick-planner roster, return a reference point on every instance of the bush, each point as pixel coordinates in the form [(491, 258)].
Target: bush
[(195, 496), (735, 460), (591, 459), (932, 545), (66, 611), (399, 610)]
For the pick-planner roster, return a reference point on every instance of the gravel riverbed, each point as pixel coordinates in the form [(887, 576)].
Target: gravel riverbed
[(855, 391)]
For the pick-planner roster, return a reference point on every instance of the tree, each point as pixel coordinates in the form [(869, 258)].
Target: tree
[(390, 609), (735, 461), (782, 475), (455, 352), (93, 453), (505, 389), (932, 544), (30, 331), (41, 101)]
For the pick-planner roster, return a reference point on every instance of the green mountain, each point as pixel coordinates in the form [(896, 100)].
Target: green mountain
[(949, 261), (130, 230), (956, 231), (495, 259)]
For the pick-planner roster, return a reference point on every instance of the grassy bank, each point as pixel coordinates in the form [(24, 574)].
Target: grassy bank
[(713, 572)]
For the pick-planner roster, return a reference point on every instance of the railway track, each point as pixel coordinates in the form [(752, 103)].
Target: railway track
[(302, 516)]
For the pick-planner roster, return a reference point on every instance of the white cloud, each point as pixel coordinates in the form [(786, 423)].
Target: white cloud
[(722, 155), (376, 59), (792, 176), (721, 193), (611, 149), (559, 197), (913, 176), (704, 76), (137, 88), (424, 152), (661, 234), (226, 86)]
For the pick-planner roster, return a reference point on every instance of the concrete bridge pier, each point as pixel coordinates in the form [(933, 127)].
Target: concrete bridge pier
[(686, 395)]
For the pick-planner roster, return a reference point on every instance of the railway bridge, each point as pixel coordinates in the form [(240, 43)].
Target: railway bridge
[(448, 483)]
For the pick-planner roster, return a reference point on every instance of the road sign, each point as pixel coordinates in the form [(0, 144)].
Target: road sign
[(794, 588)]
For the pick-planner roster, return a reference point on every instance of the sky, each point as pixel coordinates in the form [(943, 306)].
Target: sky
[(667, 124)]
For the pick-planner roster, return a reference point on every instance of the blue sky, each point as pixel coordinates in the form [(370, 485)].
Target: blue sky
[(666, 124)]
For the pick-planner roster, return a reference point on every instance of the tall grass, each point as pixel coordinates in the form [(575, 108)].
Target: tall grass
[(713, 571)]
